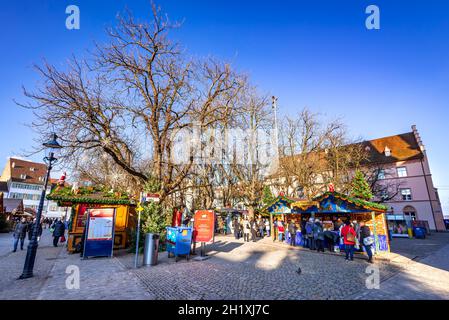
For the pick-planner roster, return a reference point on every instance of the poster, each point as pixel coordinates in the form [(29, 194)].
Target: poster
[(99, 240), (204, 225)]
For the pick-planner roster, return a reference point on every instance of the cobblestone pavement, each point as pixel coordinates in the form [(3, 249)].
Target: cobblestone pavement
[(260, 270), (234, 270), (427, 278), (419, 248), (11, 266)]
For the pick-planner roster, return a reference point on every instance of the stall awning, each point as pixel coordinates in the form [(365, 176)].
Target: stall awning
[(334, 202)]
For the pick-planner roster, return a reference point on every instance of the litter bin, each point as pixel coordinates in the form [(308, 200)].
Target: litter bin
[(179, 240), (151, 249), (420, 233)]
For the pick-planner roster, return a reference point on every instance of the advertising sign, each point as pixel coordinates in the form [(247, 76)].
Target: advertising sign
[(204, 225), (99, 240)]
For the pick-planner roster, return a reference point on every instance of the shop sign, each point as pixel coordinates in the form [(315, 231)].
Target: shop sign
[(204, 225)]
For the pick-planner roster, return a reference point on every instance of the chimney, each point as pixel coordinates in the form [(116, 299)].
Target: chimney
[(418, 138)]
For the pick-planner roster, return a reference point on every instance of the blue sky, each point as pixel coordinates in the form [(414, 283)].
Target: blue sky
[(312, 53)]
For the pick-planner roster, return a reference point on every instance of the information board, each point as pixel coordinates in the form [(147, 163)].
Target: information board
[(99, 241), (204, 225)]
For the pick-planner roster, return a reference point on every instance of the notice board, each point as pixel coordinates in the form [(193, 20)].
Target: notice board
[(99, 240), (204, 225)]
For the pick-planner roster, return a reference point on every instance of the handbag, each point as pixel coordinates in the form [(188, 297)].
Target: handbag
[(62, 240), (368, 241)]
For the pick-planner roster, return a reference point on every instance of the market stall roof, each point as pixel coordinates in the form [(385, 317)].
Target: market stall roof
[(335, 202), (280, 205), (66, 196)]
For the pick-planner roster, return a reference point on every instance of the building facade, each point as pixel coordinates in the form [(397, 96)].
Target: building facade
[(25, 180), (404, 172)]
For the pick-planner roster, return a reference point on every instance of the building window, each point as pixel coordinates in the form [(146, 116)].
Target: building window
[(406, 194), (381, 174), (23, 176), (387, 151), (402, 172)]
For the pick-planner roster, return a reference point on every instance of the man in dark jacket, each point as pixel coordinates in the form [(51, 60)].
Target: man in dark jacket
[(365, 233), (236, 226), (292, 231), (59, 229), (318, 235), (19, 234)]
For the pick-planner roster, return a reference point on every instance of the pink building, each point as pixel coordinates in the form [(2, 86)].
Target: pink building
[(405, 180)]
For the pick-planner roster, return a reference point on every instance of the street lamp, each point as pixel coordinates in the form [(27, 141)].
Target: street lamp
[(50, 160)]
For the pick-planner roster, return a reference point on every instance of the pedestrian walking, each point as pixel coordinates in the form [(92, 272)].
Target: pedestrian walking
[(292, 231), (366, 240), (19, 234), (236, 226), (59, 230), (349, 236), (246, 229)]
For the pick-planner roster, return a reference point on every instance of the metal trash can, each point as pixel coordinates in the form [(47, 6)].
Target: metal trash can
[(151, 249)]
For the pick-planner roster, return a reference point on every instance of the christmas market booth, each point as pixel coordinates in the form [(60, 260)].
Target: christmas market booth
[(85, 200), (280, 210), (333, 209)]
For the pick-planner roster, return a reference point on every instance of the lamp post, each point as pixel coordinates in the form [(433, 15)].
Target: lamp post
[(50, 160)]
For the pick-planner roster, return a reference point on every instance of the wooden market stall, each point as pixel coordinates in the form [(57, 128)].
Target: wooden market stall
[(89, 198), (280, 209), (331, 206)]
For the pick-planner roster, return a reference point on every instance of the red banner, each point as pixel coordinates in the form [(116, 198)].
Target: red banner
[(204, 225)]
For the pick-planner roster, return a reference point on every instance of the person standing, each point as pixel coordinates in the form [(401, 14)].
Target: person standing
[(303, 232), (309, 234), (261, 225), (20, 232), (318, 235), (30, 229), (275, 229), (59, 229), (292, 231), (281, 230), (246, 229), (267, 227), (366, 240), (236, 226), (348, 234), (253, 230)]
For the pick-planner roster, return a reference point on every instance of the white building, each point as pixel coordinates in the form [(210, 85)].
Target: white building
[(25, 180)]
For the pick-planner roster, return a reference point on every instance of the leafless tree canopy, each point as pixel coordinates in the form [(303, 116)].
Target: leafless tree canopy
[(128, 97)]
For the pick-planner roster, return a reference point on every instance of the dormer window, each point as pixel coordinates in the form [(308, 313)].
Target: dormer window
[(387, 152), (367, 149), (32, 169), (23, 176)]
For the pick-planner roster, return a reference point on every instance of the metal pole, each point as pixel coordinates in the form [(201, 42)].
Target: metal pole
[(32, 246), (136, 258)]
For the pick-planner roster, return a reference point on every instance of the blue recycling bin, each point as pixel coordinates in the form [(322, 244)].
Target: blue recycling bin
[(178, 241), (420, 233)]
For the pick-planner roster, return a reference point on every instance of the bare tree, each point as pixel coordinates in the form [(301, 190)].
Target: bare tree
[(128, 98)]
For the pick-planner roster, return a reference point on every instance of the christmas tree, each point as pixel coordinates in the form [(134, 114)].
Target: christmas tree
[(268, 197), (360, 188)]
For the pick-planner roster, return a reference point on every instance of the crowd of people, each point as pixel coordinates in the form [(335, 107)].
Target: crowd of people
[(23, 229), (256, 228), (352, 235)]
